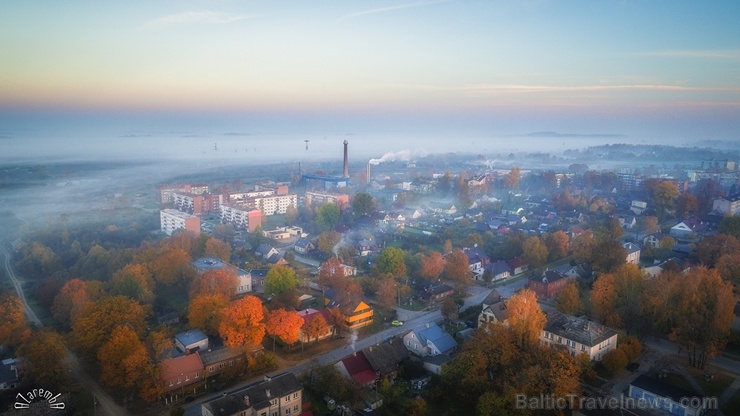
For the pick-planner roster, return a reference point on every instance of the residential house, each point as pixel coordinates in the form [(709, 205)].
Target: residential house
[(638, 207), (281, 395), (258, 279), (244, 279), (357, 314), (303, 246), (182, 371), (580, 271), (661, 395), (628, 222), (549, 284), (309, 315), (386, 357), (476, 260), (652, 240), (217, 359), (499, 270), (688, 229), (443, 208), (357, 368), (347, 270), (277, 260), (266, 251), (578, 335), (436, 293), (633, 253), (429, 340), (191, 341), (517, 265), (494, 309), (367, 246), (9, 374), (435, 363)]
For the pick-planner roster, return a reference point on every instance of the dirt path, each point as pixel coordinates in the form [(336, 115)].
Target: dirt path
[(105, 405)]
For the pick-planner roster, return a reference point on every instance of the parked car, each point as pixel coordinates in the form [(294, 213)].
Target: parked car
[(397, 323)]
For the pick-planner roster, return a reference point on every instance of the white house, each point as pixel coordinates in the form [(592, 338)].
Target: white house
[(578, 335), (429, 340)]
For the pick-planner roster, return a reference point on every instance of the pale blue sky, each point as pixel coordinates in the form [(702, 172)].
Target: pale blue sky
[(578, 65)]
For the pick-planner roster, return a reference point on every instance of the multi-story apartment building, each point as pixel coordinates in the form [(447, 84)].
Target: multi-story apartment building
[(727, 205), (190, 203), (275, 204), (171, 220), (164, 192), (317, 198), (241, 218), (281, 395), (578, 335)]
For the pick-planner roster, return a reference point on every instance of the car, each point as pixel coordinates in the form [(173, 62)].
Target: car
[(633, 366), (397, 323)]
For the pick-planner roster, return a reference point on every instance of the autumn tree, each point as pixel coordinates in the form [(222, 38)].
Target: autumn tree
[(712, 247), (535, 252), (449, 309), (280, 279), (730, 225), (614, 361), (205, 311), (331, 273), (215, 281), (14, 328), (432, 266), (526, 319), (363, 204), (218, 249), (134, 281), (582, 246), (704, 314), (557, 245), (728, 266), (285, 325), (291, 215), (339, 319), (223, 233), (97, 320), (242, 322), (316, 327), (387, 291), (42, 359), (391, 261), (686, 205), (512, 179), (649, 225), (123, 359), (607, 256), (457, 268), (172, 267), (327, 216), (617, 299), (569, 300), (447, 248), (327, 241)]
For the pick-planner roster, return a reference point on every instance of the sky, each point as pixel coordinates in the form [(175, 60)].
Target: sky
[(648, 70)]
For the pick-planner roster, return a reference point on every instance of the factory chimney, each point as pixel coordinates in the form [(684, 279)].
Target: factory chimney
[(346, 161)]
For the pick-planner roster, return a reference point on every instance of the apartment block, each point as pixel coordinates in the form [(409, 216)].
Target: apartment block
[(172, 220)]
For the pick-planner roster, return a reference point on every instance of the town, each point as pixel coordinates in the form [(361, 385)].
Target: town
[(399, 289)]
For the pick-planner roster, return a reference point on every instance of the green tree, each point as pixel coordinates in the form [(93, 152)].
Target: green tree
[(280, 279), (327, 217), (607, 256), (391, 261), (328, 240), (730, 225), (363, 204)]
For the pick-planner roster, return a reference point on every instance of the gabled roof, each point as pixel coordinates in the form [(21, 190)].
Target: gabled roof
[(660, 388), (309, 315), (500, 267), (516, 262), (217, 355), (184, 364), (263, 249), (498, 310), (359, 368), (631, 248), (435, 335), (386, 356), (303, 242), (493, 297)]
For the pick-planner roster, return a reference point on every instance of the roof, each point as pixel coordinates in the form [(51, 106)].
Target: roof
[(386, 356), (493, 297), (631, 248), (500, 267), (659, 388), (234, 402), (213, 356), (211, 263), (516, 262), (184, 364), (8, 372), (359, 368), (549, 276), (263, 249), (309, 315), (435, 335), (498, 310), (437, 359), (303, 242), (578, 329), (259, 272), (190, 337)]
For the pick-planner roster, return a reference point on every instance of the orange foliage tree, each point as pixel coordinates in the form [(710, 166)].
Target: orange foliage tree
[(14, 328), (218, 249), (242, 322), (315, 328), (526, 319), (205, 311), (432, 266), (43, 355), (331, 272), (285, 325), (216, 281), (387, 291), (135, 281), (72, 297), (557, 245), (457, 266), (172, 266), (123, 358), (97, 320)]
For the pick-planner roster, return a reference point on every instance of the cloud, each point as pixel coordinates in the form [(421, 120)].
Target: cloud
[(202, 17), (733, 54), (392, 8)]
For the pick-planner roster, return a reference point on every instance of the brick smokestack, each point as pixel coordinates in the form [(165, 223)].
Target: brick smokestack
[(346, 160)]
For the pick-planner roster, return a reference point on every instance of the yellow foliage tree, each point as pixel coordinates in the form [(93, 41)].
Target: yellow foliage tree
[(243, 323)]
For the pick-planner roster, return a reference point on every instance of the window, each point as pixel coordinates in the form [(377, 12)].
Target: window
[(211, 369), (583, 347), (295, 408), (179, 381), (171, 384), (187, 378), (287, 398), (295, 395), (560, 340), (287, 411)]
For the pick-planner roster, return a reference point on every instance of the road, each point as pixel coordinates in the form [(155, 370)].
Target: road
[(416, 319), (106, 406)]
